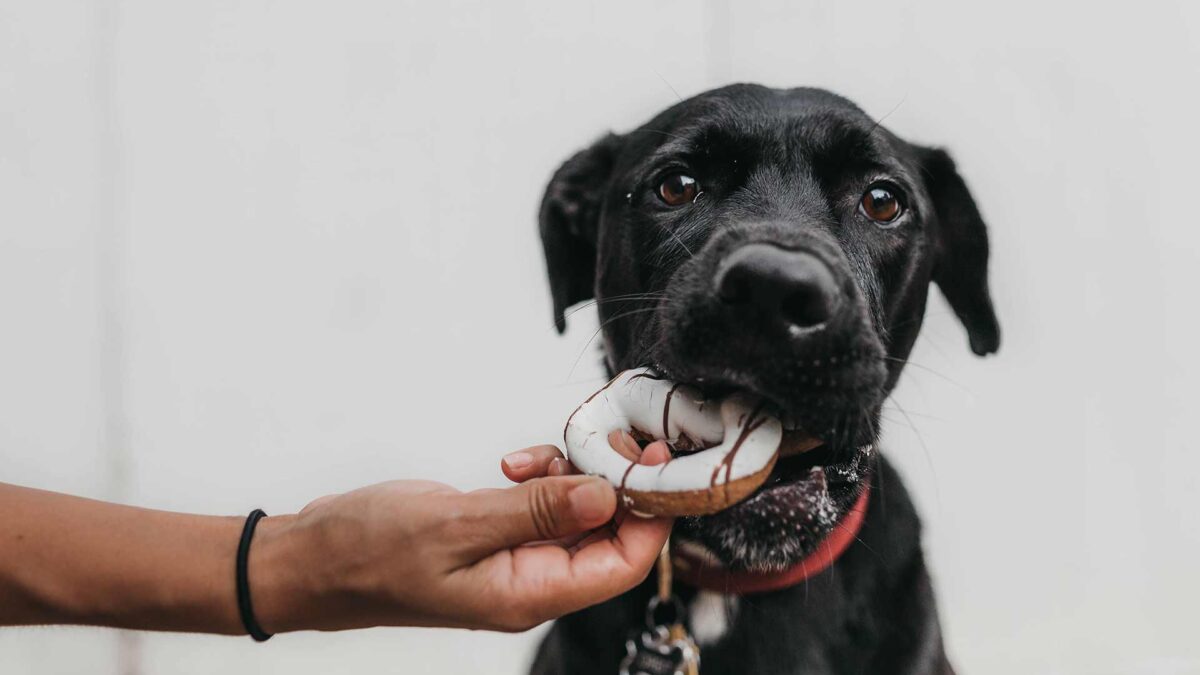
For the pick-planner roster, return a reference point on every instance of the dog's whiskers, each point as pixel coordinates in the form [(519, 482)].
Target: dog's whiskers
[(669, 85), (664, 133), (914, 413), (628, 297), (921, 317), (685, 246), (906, 362), (596, 334), (879, 122), (937, 493)]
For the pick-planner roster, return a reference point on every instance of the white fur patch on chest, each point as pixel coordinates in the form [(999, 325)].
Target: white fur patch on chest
[(711, 613)]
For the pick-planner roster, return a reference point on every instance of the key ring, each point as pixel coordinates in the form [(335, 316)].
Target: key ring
[(671, 605), (664, 647)]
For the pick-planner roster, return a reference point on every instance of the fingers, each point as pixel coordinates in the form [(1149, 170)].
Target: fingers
[(637, 542), (533, 462), (657, 452), (625, 445), (544, 582), (537, 510), (561, 467), (547, 460)]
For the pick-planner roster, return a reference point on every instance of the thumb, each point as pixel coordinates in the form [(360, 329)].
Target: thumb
[(537, 510)]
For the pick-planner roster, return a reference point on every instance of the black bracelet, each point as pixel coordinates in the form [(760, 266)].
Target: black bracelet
[(245, 609)]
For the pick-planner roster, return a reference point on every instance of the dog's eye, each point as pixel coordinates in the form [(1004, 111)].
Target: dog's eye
[(678, 189), (880, 204)]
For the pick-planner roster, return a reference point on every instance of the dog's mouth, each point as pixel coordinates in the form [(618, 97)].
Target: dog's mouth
[(787, 517), (812, 486), (827, 384)]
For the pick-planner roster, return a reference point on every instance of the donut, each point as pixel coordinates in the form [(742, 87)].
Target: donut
[(726, 448), (796, 441)]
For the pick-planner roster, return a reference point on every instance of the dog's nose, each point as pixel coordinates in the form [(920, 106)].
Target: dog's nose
[(797, 286)]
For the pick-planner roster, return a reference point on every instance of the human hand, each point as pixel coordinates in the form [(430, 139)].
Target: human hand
[(419, 553)]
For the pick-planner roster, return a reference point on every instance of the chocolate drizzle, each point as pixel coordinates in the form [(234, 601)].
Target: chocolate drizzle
[(587, 401), (752, 422), (667, 413), (648, 376), (640, 435), (747, 424), (625, 477)]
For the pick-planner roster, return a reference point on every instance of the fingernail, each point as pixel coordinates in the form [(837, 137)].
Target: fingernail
[(518, 460), (589, 501), (657, 452), (558, 467)]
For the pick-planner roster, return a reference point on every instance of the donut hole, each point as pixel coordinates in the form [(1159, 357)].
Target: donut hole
[(630, 444)]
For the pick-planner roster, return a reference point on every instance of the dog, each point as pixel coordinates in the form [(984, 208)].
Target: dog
[(781, 243)]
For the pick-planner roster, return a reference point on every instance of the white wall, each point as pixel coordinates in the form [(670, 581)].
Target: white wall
[(249, 251)]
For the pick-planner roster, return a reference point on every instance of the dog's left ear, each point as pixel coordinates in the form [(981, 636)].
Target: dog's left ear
[(569, 220), (961, 251)]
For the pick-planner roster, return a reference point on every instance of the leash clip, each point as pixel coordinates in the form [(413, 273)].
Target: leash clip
[(664, 646)]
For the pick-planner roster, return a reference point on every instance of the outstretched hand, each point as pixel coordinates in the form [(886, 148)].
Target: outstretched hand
[(419, 553)]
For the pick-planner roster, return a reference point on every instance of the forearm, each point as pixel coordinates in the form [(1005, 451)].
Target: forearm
[(65, 559), (401, 553)]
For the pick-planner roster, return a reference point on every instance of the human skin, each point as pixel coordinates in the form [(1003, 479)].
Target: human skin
[(399, 553)]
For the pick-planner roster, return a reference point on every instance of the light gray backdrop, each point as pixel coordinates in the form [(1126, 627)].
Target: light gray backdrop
[(256, 252)]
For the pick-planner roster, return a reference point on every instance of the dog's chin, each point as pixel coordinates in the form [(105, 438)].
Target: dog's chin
[(786, 519)]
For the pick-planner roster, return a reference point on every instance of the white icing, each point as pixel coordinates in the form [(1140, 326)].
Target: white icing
[(636, 400)]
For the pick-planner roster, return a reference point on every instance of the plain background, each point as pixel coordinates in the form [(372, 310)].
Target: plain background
[(256, 252)]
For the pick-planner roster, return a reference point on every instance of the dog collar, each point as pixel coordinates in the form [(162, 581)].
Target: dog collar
[(706, 575)]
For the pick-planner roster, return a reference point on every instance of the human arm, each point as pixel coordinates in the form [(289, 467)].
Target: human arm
[(397, 553)]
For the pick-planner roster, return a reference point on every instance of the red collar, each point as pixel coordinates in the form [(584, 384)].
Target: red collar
[(702, 574)]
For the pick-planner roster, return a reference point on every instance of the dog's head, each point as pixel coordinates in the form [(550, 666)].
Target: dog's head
[(779, 242)]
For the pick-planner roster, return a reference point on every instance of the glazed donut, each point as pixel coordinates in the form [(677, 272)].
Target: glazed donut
[(736, 441)]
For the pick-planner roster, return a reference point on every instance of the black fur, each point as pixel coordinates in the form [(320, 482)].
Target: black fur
[(785, 169)]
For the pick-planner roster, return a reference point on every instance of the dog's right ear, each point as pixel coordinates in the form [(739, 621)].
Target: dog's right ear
[(569, 221)]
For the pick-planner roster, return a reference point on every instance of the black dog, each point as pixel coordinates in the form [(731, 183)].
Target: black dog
[(783, 243)]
